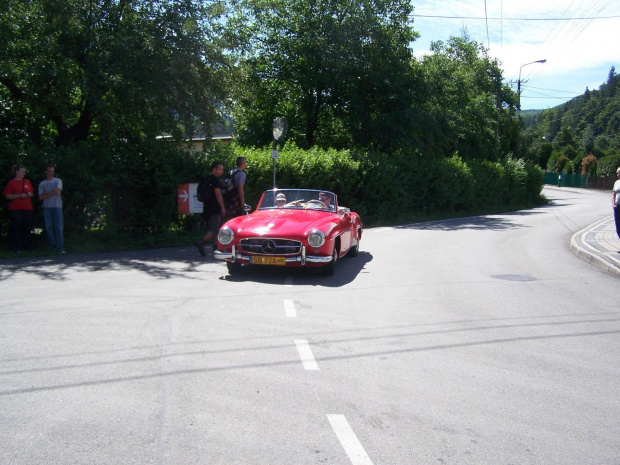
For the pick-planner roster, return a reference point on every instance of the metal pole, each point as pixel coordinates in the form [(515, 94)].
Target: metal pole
[(274, 163), (519, 81), (519, 102)]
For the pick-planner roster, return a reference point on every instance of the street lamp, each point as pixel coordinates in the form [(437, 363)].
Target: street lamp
[(519, 81)]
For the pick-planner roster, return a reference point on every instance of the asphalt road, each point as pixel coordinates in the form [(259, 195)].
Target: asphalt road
[(482, 340)]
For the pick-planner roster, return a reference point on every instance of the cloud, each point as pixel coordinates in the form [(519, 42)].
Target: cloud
[(576, 49)]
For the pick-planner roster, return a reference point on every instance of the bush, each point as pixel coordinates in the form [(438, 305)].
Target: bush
[(608, 165), (129, 188), (576, 163), (552, 161), (560, 163), (398, 187), (588, 165)]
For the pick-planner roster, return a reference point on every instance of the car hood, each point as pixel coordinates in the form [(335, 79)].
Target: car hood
[(282, 223)]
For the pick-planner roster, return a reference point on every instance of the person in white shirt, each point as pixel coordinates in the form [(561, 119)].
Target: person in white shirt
[(51, 205), (615, 201)]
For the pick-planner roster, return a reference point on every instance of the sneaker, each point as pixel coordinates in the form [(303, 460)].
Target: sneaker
[(62, 251), (201, 248)]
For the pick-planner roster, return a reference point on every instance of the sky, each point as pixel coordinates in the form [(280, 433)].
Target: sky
[(579, 52)]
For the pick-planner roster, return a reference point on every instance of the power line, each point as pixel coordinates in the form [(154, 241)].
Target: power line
[(545, 96), (550, 90), (515, 19), (572, 24)]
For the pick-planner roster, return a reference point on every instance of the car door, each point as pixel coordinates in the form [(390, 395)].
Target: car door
[(346, 227)]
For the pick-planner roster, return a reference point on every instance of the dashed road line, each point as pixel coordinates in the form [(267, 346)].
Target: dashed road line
[(349, 440), (289, 309), (305, 353)]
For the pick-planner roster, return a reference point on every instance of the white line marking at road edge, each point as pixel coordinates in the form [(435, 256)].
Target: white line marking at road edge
[(349, 441), (289, 308), (306, 354)]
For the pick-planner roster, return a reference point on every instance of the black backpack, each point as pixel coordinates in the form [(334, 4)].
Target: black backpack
[(202, 193), (227, 185)]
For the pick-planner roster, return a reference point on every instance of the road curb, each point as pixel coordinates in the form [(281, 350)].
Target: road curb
[(590, 254)]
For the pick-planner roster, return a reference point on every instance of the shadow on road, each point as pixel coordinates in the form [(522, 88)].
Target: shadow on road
[(178, 262), (504, 221), (347, 270)]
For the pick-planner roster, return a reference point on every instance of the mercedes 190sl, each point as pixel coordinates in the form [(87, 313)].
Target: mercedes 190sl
[(291, 227)]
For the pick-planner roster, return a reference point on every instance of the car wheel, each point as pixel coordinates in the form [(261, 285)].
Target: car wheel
[(233, 268), (330, 268)]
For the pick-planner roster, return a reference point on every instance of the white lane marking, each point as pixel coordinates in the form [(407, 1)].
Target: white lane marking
[(288, 282), (349, 441), (306, 354), (289, 309)]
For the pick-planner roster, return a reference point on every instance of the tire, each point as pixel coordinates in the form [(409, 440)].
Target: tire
[(233, 268), (330, 268)]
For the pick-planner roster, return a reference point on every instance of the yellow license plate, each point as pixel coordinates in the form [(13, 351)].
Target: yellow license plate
[(269, 261)]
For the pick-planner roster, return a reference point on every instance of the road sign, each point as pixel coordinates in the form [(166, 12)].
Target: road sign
[(186, 199)]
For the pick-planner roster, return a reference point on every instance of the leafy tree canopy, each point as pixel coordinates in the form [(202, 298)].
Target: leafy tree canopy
[(467, 107), (588, 124), (339, 71), (117, 68)]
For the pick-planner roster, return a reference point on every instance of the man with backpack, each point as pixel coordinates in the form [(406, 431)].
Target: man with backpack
[(233, 192), (213, 209)]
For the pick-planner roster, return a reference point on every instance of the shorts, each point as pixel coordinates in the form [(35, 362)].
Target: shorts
[(214, 222)]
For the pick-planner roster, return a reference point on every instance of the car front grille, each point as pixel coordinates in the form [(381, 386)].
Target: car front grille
[(266, 246)]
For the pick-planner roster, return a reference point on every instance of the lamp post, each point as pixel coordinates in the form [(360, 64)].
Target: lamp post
[(519, 81)]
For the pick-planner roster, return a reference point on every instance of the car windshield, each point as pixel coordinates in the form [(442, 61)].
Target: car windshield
[(298, 199)]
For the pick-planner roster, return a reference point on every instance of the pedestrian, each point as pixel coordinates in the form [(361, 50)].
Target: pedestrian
[(51, 205), (19, 192), (236, 198), (615, 201), (213, 209)]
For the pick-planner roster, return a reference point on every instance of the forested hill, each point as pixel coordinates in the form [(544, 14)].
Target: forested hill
[(560, 138)]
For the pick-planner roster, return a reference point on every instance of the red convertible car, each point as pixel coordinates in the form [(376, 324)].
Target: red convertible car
[(291, 227)]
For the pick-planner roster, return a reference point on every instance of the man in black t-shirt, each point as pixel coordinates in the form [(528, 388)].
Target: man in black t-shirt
[(213, 207)]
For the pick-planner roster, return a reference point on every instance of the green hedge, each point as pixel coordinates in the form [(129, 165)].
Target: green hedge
[(608, 165), (130, 187), (392, 188)]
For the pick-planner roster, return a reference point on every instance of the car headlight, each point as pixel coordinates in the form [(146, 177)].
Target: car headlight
[(226, 235), (316, 238)]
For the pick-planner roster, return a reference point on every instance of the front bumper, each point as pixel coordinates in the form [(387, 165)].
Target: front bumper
[(302, 259)]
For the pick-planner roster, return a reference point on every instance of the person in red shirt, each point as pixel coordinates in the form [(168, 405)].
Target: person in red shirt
[(18, 192)]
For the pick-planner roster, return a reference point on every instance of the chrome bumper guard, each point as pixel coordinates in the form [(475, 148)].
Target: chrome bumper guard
[(303, 258)]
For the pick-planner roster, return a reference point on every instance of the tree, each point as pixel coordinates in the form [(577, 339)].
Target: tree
[(587, 139), (117, 68), (588, 165), (544, 153), (467, 108), (339, 71), (566, 138)]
